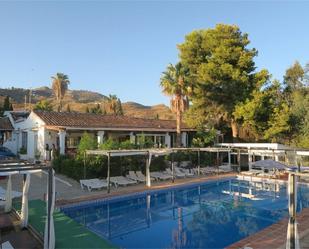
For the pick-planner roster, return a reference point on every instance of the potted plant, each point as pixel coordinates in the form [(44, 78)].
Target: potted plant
[(22, 153), (37, 156)]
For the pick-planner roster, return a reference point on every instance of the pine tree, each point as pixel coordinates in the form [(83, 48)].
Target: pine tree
[(222, 72), (7, 106)]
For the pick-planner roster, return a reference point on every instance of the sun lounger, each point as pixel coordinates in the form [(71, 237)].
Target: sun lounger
[(14, 194), (178, 173), (225, 168), (91, 184), (208, 170), (142, 177), (160, 175), (184, 164), (133, 176), (184, 171), (122, 181), (252, 172), (270, 174)]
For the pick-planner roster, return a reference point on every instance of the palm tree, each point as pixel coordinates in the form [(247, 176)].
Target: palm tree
[(112, 103), (174, 82), (60, 84)]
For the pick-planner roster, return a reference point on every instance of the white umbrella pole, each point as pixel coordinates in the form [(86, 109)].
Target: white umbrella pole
[(8, 196), (24, 206)]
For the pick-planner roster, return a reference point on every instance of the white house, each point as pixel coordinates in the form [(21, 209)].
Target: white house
[(35, 132)]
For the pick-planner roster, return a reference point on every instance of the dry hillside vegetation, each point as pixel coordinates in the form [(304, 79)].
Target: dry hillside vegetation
[(79, 100)]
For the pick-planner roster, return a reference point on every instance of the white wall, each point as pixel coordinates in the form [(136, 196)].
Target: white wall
[(11, 143), (32, 125)]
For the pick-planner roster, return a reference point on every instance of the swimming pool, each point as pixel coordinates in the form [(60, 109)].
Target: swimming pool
[(207, 215)]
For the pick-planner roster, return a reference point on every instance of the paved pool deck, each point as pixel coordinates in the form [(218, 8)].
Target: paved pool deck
[(70, 194)]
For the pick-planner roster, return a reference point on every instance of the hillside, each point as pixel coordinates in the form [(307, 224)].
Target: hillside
[(157, 111), (79, 100)]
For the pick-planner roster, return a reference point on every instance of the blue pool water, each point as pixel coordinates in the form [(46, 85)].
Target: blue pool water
[(209, 215)]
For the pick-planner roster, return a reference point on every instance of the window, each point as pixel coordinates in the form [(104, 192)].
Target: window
[(24, 140), (72, 142), (160, 141)]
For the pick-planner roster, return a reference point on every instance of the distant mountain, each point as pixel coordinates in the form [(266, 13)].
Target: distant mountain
[(79, 100), (157, 111)]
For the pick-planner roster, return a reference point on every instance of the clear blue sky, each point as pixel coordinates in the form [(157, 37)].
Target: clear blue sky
[(122, 47)]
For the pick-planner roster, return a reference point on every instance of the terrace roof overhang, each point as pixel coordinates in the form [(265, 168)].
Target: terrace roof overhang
[(141, 129)]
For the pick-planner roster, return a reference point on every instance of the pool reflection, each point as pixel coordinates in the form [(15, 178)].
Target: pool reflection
[(212, 215)]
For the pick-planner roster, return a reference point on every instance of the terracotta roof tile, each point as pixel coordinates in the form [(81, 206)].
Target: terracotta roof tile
[(5, 124), (89, 120)]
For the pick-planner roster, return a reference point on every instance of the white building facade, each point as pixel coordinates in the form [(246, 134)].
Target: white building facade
[(34, 134)]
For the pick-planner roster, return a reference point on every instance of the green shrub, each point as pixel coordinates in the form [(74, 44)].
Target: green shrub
[(204, 138), (22, 151), (74, 168), (109, 144), (86, 143)]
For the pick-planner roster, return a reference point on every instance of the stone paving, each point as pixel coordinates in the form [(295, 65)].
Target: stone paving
[(74, 193)]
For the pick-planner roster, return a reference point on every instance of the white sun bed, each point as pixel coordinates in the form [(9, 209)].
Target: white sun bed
[(208, 170), (142, 177), (185, 171), (160, 175), (134, 177), (184, 164), (14, 194), (178, 173), (122, 181), (270, 174), (252, 172), (91, 184), (225, 168)]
